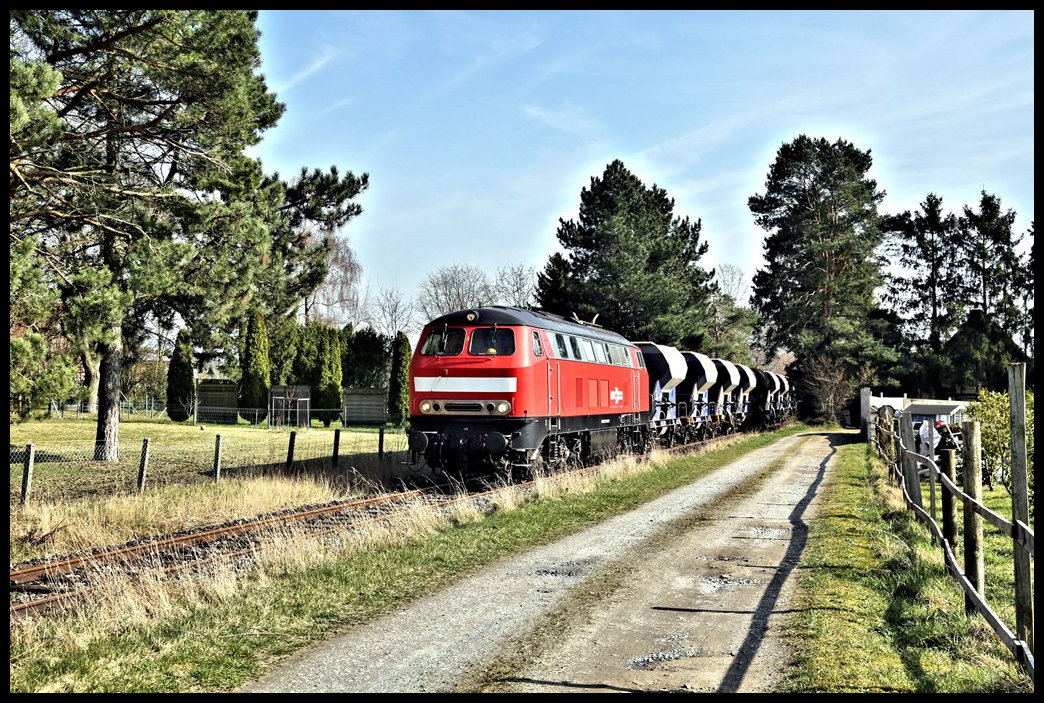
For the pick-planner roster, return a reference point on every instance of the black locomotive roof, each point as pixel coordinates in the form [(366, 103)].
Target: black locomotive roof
[(510, 315)]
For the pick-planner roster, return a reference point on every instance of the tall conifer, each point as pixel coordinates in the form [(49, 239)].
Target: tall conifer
[(181, 385), (815, 295), (399, 385), (254, 387), (629, 260), (327, 395)]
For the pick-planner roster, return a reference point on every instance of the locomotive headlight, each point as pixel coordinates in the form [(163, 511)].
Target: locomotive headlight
[(503, 407), (425, 406)]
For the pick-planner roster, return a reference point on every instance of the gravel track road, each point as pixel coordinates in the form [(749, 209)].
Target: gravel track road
[(682, 594)]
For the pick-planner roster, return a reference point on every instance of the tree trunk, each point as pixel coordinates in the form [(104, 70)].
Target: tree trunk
[(92, 373), (106, 439)]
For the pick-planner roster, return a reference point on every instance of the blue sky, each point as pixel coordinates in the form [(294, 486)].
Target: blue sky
[(479, 128)]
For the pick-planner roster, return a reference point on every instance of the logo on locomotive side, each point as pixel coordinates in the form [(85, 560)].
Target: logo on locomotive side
[(616, 395)]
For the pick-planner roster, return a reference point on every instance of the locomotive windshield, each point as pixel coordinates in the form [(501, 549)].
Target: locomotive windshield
[(492, 341), (448, 341)]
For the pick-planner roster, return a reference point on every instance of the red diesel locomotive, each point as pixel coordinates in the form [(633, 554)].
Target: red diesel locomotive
[(505, 390)]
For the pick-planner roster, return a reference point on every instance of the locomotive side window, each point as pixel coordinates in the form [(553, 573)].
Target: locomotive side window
[(600, 354), (587, 349), (559, 346), (537, 349), (444, 342), (492, 341), (618, 355), (574, 346)]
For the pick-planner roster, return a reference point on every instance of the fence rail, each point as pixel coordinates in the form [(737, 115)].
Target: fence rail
[(891, 437)]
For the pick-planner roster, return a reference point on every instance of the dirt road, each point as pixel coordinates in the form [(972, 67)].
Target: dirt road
[(683, 594)]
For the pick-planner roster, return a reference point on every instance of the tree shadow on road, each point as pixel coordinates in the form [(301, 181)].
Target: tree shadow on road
[(766, 606)]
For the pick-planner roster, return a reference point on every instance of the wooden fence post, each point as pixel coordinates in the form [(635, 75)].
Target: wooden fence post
[(948, 461), (143, 464), (1020, 502), (336, 448), (897, 454), (380, 442), (290, 450), (931, 486), (973, 560), (910, 467), (27, 471), (217, 457)]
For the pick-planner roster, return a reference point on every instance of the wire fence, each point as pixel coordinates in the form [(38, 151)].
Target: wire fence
[(154, 409), (51, 472)]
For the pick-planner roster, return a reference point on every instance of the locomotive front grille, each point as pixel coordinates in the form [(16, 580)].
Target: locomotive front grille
[(459, 406)]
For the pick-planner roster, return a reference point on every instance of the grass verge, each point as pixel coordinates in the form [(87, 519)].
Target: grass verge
[(877, 611)]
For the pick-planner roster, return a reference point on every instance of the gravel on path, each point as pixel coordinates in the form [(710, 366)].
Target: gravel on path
[(699, 612)]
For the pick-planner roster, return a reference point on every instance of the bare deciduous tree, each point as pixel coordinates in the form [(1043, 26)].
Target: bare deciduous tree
[(831, 385), (391, 312), (516, 285), (336, 301), (730, 279), (456, 287)]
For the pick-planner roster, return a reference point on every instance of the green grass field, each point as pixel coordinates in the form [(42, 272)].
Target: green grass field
[(179, 453)]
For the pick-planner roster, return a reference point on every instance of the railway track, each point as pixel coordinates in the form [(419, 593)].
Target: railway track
[(59, 585), (38, 588)]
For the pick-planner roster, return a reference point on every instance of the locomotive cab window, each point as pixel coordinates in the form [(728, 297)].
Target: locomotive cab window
[(448, 341), (492, 341)]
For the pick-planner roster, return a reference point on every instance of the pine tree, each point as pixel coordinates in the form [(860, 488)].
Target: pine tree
[(815, 296), (399, 386), (39, 371), (923, 275), (256, 381), (181, 385), (630, 261), (989, 258), (144, 116)]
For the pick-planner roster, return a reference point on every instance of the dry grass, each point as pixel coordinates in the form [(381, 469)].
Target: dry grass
[(51, 529)]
